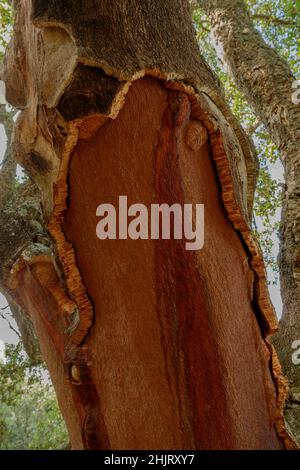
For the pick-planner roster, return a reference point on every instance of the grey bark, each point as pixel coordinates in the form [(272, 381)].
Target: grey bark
[(266, 81), (27, 332), (8, 165), (11, 203)]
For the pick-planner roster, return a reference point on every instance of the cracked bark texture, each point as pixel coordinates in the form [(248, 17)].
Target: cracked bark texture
[(266, 80), (148, 345)]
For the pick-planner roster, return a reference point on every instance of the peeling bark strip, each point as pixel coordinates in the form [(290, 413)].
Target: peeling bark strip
[(267, 82), (148, 345)]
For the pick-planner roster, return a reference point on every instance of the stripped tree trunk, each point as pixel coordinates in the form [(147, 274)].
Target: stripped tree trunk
[(266, 80), (148, 345)]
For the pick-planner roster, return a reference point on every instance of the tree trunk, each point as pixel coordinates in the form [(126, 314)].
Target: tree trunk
[(12, 202), (266, 80), (28, 336), (148, 345)]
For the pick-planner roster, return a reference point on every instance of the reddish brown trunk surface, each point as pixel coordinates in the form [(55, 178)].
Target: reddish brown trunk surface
[(180, 357)]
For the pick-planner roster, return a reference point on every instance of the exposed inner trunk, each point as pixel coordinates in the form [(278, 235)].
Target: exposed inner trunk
[(173, 329)]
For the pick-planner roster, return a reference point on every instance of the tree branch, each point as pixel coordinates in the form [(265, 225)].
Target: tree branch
[(273, 20), (10, 325), (251, 129), (256, 16), (8, 165)]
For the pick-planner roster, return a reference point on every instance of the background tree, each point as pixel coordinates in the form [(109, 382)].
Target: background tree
[(29, 416)]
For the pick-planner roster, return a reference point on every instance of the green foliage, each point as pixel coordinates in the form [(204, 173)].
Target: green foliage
[(29, 414), (6, 20)]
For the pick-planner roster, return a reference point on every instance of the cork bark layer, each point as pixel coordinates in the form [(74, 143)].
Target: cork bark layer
[(148, 345), (267, 82)]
